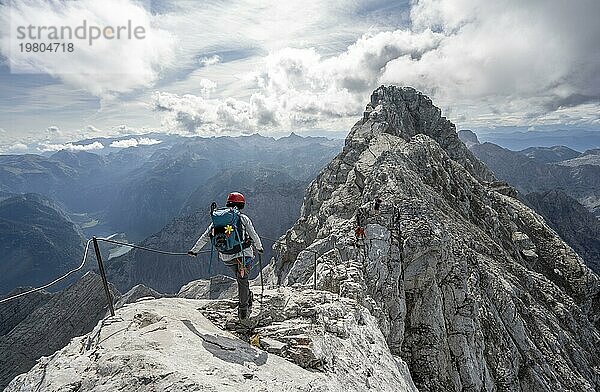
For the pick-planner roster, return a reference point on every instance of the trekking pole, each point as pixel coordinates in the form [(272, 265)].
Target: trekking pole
[(103, 275), (262, 285)]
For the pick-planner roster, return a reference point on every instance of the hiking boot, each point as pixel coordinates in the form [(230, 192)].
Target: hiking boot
[(243, 313)]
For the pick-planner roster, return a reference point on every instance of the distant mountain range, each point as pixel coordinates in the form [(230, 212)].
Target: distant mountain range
[(576, 139), (529, 171), (137, 191), (559, 183), (157, 192)]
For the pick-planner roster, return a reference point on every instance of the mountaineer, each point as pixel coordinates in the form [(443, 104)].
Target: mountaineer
[(232, 234)]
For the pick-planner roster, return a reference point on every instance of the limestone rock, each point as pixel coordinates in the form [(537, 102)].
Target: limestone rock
[(457, 299), (166, 344), (525, 245), (273, 346), (319, 331), (217, 287), (138, 293)]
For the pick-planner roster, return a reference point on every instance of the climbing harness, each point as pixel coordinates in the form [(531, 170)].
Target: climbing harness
[(244, 265)]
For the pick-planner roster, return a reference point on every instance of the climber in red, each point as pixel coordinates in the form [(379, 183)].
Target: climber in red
[(232, 234)]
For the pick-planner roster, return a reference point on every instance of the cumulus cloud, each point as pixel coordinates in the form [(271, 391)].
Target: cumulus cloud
[(49, 147), (103, 68), (296, 88), (505, 62), (133, 142), (312, 64), (199, 115), (512, 58), (16, 148)]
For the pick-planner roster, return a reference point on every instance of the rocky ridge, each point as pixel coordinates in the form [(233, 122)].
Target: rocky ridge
[(470, 287)]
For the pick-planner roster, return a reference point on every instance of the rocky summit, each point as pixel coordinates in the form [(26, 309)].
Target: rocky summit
[(410, 268), (469, 286)]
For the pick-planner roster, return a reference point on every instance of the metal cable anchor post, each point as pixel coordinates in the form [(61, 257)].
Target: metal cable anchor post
[(103, 275)]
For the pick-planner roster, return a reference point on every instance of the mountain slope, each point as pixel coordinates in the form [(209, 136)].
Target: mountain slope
[(15, 311), (589, 157), (550, 154), (471, 288), (32, 173), (582, 182), (37, 242), (572, 221), (51, 325)]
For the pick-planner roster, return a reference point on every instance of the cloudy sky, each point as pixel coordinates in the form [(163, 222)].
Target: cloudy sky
[(231, 67)]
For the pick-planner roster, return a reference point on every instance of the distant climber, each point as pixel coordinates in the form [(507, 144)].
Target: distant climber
[(232, 234)]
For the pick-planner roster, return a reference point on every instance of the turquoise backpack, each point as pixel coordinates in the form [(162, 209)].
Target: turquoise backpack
[(228, 232)]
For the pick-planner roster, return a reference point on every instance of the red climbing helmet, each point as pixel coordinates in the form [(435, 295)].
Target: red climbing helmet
[(236, 199)]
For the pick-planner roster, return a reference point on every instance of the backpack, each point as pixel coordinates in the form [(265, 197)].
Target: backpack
[(228, 234)]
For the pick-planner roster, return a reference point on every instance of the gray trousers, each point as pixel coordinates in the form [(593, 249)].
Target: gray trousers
[(243, 286)]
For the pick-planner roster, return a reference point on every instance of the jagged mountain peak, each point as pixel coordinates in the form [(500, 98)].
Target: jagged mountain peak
[(470, 287), (406, 112)]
